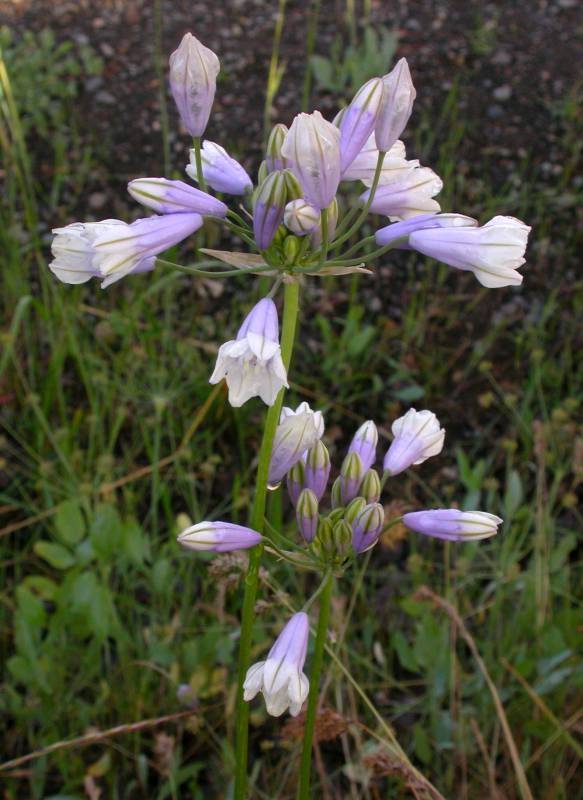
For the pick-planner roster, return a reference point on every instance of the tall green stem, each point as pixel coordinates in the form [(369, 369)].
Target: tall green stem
[(198, 160), (317, 659), (290, 314)]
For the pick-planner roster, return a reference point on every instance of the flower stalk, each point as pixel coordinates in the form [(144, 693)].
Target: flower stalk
[(290, 314), (317, 660)]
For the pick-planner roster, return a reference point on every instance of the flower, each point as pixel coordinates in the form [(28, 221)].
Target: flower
[(453, 525), (317, 469), (397, 230), (220, 537), (273, 158), (366, 527), (493, 252), (418, 436), (295, 481), (364, 444), (169, 197), (281, 678), (112, 249), (312, 149), (358, 121), (408, 195), (300, 217), (193, 81), (364, 165), (297, 432), (220, 170), (252, 363), (351, 474), (268, 208), (370, 488), (307, 514), (396, 105)]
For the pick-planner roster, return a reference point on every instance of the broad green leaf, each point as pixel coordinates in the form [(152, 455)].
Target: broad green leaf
[(69, 522), (55, 554)]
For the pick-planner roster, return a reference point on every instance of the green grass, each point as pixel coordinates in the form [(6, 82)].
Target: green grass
[(110, 432)]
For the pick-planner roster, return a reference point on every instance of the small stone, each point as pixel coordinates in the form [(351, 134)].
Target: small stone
[(502, 93), (97, 200)]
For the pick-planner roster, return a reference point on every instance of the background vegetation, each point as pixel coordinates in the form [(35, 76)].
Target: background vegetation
[(111, 437)]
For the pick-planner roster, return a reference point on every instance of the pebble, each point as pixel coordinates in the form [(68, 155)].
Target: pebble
[(502, 93)]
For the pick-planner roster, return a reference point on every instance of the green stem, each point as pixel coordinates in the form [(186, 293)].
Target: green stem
[(317, 659), (362, 216), (324, 251), (198, 159), (227, 273), (290, 314)]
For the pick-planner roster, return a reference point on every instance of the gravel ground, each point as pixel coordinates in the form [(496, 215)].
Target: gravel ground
[(514, 63)]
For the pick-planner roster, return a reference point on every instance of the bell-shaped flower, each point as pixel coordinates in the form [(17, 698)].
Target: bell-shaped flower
[(317, 469), (409, 194), (364, 443), (312, 151), (220, 537), (418, 436), (252, 363), (297, 432), (307, 514), (396, 106), (367, 526), (364, 165), (300, 217), (493, 252), (112, 249), (193, 82), (453, 525), (358, 121), (220, 170), (281, 678), (273, 157), (268, 208), (170, 197), (398, 230)]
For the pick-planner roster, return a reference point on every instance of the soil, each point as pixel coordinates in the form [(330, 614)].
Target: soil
[(514, 62)]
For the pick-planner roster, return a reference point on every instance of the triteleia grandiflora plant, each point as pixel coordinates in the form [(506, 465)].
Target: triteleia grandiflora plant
[(293, 225)]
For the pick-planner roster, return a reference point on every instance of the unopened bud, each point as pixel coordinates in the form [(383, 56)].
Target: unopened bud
[(342, 538), (307, 514), (262, 173), (300, 217), (353, 509), (366, 527), (294, 190), (370, 488), (350, 478), (364, 443), (335, 494), (295, 481), (317, 469), (268, 208), (291, 249), (324, 541), (273, 159)]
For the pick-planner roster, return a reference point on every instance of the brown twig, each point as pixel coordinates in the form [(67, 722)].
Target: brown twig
[(94, 738), (425, 593)]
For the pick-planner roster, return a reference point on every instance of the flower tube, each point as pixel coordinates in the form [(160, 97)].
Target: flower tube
[(312, 150), (364, 443), (220, 170), (493, 252), (252, 363), (193, 82), (418, 436), (398, 230), (358, 121), (220, 537), (112, 249), (170, 197), (408, 195), (280, 677), (453, 525), (396, 106)]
